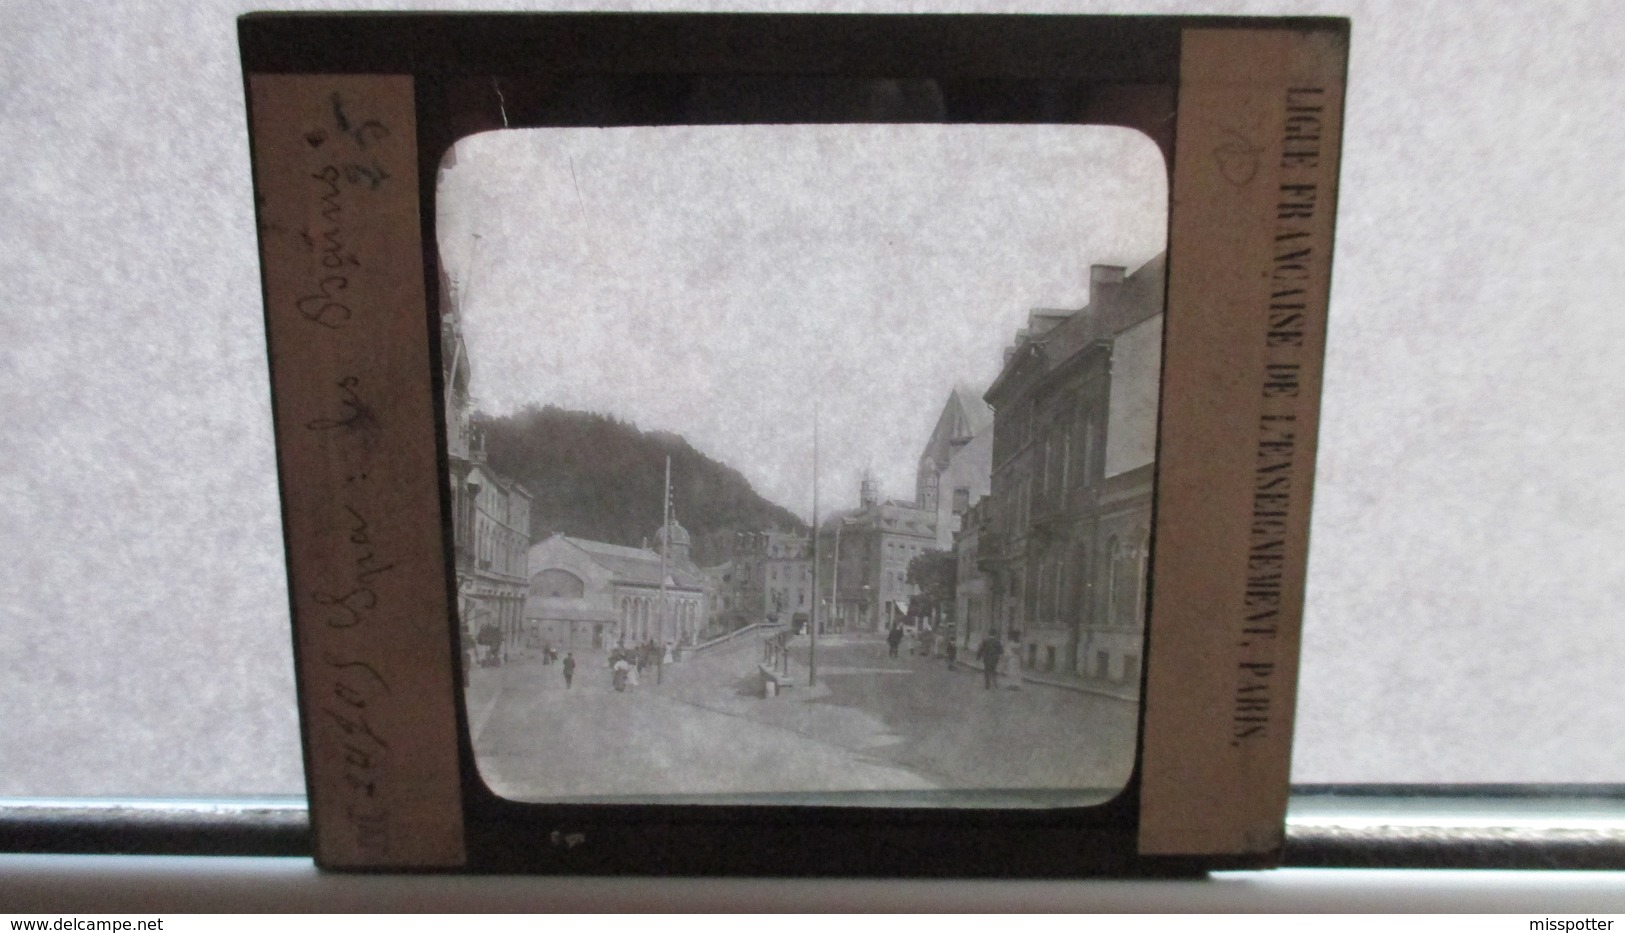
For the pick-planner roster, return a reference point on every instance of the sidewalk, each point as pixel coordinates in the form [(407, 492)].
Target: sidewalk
[(1128, 693), (481, 688)]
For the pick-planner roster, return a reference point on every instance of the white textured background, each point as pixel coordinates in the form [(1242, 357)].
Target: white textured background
[(1463, 621)]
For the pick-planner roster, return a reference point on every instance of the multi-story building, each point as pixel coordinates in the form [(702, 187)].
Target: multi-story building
[(770, 576), (972, 611), (1065, 540), (720, 594), (956, 467), (490, 513), (591, 594), (863, 558)]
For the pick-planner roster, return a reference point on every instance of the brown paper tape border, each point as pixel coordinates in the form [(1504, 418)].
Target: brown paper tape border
[(336, 179), (1250, 242)]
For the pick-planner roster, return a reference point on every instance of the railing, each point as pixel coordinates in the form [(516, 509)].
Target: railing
[(736, 633), (776, 653)]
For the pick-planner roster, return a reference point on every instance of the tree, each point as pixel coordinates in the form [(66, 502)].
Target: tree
[(934, 574), (597, 477)]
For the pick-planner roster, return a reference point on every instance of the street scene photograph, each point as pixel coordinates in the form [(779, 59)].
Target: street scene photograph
[(803, 464)]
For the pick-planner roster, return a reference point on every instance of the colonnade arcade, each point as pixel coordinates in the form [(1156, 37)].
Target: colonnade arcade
[(640, 618), (504, 610)]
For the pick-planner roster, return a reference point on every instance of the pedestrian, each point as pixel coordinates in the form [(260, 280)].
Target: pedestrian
[(988, 653), (894, 638), (569, 669), (547, 654), (632, 680), (1012, 666), (623, 669), (952, 651)]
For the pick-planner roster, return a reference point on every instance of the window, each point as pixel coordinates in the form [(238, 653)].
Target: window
[(559, 584)]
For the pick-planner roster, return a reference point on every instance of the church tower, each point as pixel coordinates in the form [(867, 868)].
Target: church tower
[(869, 490)]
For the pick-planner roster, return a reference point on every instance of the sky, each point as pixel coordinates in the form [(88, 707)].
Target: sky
[(723, 282)]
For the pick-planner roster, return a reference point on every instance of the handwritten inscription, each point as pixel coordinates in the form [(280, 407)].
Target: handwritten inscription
[(326, 302), (357, 604), (1238, 158), (336, 168), (1295, 268), (347, 165), (355, 687), (354, 416)]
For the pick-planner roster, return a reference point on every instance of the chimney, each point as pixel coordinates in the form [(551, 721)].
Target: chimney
[(1104, 282)]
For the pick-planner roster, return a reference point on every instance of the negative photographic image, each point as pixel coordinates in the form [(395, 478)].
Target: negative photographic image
[(802, 464)]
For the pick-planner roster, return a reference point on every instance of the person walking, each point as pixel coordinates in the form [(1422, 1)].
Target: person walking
[(989, 653), (894, 638), (569, 669), (1013, 663), (621, 667), (952, 651)]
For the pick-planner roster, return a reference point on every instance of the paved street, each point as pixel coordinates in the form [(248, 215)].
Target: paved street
[(874, 723)]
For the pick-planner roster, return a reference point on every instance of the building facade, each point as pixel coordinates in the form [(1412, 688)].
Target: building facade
[(769, 578), (972, 611), (720, 594), (490, 513), (863, 558), (1064, 539), (956, 466), (776, 573), (588, 594)]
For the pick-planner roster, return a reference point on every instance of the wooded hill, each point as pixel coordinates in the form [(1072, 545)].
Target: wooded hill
[(597, 477)]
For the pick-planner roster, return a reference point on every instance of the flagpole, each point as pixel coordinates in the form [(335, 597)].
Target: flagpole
[(812, 624)]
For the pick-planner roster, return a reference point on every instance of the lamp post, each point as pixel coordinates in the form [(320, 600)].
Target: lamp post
[(835, 574), (812, 626)]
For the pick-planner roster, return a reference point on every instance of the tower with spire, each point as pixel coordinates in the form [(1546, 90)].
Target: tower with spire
[(868, 490)]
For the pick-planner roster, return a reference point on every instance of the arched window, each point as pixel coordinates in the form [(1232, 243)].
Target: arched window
[(554, 583)]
